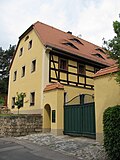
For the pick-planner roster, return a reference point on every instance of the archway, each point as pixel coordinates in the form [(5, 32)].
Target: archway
[(47, 118)]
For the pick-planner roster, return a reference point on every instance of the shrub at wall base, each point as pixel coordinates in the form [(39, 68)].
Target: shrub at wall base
[(111, 128)]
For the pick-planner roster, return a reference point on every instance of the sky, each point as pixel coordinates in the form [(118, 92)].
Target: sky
[(90, 19)]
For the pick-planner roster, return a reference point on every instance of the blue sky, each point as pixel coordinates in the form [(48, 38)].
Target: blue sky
[(90, 18)]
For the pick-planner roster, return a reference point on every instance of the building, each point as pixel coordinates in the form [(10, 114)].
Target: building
[(45, 55), (107, 94)]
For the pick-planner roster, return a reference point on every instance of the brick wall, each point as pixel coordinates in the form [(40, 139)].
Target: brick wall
[(20, 125)]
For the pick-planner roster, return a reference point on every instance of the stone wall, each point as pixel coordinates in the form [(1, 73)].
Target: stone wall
[(20, 125)]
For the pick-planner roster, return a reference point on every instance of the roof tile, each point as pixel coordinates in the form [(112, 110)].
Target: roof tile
[(107, 70), (53, 86), (55, 38)]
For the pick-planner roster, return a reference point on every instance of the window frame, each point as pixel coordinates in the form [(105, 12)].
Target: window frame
[(83, 71), (33, 66), (13, 103), (32, 98), (23, 72), (15, 76), (21, 51), (63, 66), (30, 44)]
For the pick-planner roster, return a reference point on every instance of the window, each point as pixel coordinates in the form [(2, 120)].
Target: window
[(70, 45), (96, 70), (15, 76), (13, 102), (33, 67), (21, 51), (26, 38), (32, 98), (53, 116), (30, 44), (23, 71), (63, 64), (81, 69), (76, 40), (98, 55)]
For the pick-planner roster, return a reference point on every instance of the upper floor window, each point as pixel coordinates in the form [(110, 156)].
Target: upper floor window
[(15, 76), (33, 67), (23, 71), (32, 98), (81, 69), (63, 64), (21, 51), (30, 44)]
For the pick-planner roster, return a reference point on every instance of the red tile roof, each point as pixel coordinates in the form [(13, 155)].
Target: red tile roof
[(107, 70), (53, 86), (64, 41)]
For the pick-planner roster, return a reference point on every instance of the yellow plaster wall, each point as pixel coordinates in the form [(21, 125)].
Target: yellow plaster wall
[(31, 82), (74, 91), (55, 99), (107, 94)]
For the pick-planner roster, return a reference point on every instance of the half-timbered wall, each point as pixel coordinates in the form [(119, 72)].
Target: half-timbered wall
[(70, 72)]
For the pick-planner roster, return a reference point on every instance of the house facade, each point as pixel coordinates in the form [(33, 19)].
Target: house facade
[(45, 56)]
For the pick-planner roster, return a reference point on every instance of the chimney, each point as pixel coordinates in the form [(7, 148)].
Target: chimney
[(69, 32)]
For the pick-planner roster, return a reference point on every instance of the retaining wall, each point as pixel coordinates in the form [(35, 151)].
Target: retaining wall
[(20, 125)]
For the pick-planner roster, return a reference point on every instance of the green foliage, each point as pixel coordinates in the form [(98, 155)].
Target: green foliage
[(5, 59), (20, 100), (113, 46), (111, 128), (2, 101)]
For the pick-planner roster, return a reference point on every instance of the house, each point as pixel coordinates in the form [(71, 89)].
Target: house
[(50, 65), (107, 94)]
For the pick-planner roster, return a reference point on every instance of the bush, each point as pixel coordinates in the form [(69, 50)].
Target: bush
[(111, 128)]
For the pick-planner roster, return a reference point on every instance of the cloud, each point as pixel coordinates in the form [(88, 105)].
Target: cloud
[(92, 19)]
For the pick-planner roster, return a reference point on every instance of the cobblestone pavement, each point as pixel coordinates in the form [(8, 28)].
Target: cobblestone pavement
[(82, 148)]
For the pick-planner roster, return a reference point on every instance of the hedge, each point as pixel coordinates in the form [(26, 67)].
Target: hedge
[(111, 129)]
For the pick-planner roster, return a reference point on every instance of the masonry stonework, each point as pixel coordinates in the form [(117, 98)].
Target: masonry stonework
[(20, 125)]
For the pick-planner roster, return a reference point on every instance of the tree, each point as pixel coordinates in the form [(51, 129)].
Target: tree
[(5, 59), (19, 100), (113, 46)]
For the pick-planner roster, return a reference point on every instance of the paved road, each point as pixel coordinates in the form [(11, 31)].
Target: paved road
[(13, 149)]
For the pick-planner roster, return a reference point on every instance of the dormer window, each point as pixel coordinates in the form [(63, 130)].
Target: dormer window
[(70, 44), (30, 44), (76, 40), (101, 50), (98, 55)]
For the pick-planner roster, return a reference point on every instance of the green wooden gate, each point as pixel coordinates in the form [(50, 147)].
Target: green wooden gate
[(79, 119)]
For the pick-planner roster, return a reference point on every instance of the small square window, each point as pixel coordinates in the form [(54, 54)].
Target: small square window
[(23, 71), (63, 64), (21, 51), (32, 98), (81, 69), (15, 76), (30, 44), (33, 67)]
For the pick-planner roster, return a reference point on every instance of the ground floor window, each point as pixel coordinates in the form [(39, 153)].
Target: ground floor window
[(32, 98)]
